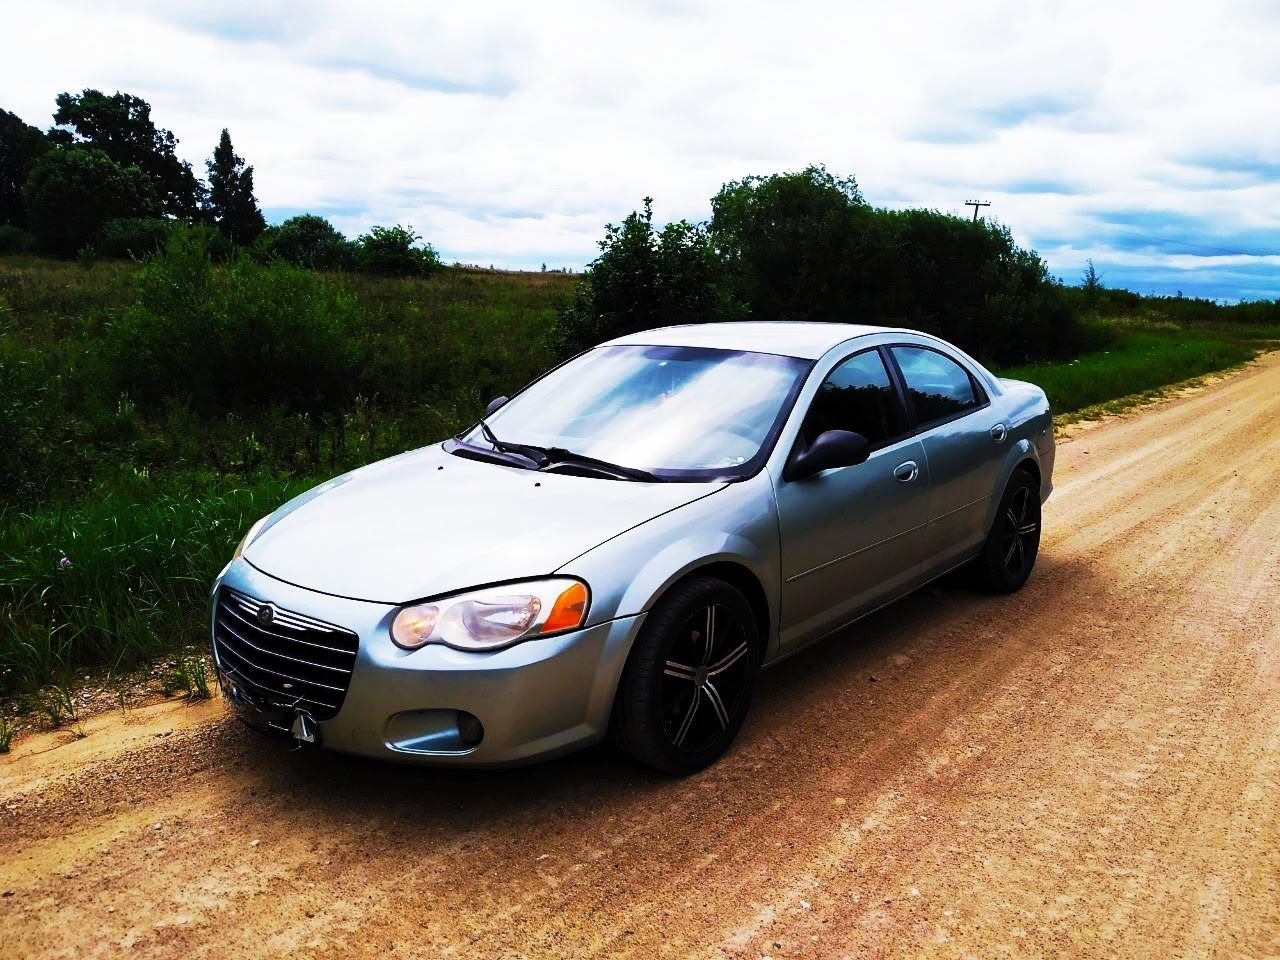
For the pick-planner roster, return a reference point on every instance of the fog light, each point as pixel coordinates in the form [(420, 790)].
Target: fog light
[(470, 729)]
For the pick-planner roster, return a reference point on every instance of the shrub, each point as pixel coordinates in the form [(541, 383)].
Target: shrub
[(133, 239), (238, 335), (393, 252), (307, 241), (15, 240)]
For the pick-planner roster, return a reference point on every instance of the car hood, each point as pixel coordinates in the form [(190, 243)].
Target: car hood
[(427, 522)]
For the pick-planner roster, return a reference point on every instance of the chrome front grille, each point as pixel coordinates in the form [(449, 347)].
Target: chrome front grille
[(281, 658)]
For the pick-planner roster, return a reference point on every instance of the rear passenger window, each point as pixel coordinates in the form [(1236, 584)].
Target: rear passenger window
[(937, 386), (857, 396)]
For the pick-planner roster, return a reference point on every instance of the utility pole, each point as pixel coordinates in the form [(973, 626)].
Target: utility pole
[(976, 204)]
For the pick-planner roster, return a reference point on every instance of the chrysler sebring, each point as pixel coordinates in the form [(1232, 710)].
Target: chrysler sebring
[(619, 548)]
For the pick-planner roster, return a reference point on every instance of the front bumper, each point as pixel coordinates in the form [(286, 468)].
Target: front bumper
[(535, 700)]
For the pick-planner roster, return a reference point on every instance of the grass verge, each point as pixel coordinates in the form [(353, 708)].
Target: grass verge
[(1141, 363)]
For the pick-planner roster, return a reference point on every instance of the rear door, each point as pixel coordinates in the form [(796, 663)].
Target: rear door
[(852, 536), (963, 441)]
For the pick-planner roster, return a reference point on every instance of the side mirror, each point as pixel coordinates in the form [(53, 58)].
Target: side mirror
[(831, 448), (494, 404)]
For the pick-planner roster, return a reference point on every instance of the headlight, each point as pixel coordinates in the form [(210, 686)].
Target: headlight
[(495, 617), (249, 537)]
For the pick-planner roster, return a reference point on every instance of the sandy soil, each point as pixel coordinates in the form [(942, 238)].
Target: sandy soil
[(1089, 768)]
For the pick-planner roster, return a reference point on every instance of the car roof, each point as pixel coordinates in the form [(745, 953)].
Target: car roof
[(792, 338)]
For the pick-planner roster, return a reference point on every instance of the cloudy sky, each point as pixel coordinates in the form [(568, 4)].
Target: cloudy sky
[(1143, 135)]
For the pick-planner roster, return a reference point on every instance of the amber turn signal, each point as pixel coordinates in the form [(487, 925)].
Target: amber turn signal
[(569, 611)]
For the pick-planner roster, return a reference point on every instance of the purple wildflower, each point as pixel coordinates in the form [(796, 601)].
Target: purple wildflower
[(64, 563)]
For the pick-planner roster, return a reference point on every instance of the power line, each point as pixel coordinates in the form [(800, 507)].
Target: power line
[(976, 204)]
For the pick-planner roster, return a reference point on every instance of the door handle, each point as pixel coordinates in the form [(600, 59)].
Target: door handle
[(906, 472), (998, 432)]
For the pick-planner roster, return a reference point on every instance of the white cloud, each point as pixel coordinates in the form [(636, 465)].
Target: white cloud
[(511, 132)]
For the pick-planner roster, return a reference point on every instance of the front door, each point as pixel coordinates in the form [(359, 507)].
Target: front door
[(852, 537)]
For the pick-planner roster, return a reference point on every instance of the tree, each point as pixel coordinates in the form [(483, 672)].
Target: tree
[(21, 145), (231, 200), (645, 278), (73, 191), (794, 243), (1091, 283), (120, 126)]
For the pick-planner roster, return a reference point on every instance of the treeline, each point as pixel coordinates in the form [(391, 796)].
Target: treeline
[(105, 181), (807, 246)]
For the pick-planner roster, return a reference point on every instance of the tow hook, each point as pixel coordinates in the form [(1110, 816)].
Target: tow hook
[(304, 727)]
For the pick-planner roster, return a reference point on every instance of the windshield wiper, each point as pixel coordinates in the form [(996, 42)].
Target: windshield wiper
[(544, 457), (539, 457), (561, 455)]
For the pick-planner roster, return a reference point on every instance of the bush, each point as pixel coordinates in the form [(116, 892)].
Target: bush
[(393, 252), (15, 239), (307, 241), (239, 335), (132, 239)]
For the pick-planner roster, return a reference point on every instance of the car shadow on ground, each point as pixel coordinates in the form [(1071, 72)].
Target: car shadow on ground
[(837, 709)]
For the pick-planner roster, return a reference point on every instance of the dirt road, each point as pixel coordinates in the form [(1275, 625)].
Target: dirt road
[(1089, 768)]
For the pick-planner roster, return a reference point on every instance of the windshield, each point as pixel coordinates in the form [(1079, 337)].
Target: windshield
[(678, 412)]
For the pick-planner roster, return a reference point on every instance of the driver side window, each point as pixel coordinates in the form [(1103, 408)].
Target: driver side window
[(858, 396)]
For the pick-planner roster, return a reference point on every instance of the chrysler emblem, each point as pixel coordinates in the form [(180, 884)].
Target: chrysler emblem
[(266, 613)]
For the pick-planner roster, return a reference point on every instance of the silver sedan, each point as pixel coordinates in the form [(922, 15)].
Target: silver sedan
[(623, 545)]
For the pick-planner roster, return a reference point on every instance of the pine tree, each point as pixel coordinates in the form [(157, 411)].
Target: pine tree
[(231, 200)]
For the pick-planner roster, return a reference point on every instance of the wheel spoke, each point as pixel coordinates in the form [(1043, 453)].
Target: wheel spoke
[(1022, 557), (1013, 548), (680, 670), (683, 732), (1027, 530), (727, 661), (709, 639), (713, 697)]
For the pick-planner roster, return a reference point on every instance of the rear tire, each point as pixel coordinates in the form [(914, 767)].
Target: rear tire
[(687, 684), (1014, 541)]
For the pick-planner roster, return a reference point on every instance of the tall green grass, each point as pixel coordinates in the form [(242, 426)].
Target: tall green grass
[(121, 576), (1140, 357)]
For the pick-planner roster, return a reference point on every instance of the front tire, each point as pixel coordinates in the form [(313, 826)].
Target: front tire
[(687, 684), (1014, 541)]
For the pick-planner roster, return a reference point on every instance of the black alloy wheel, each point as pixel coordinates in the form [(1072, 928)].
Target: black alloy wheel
[(1019, 534), (687, 684), (1014, 541)]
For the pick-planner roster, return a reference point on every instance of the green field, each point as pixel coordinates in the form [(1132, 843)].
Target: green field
[(126, 488)]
